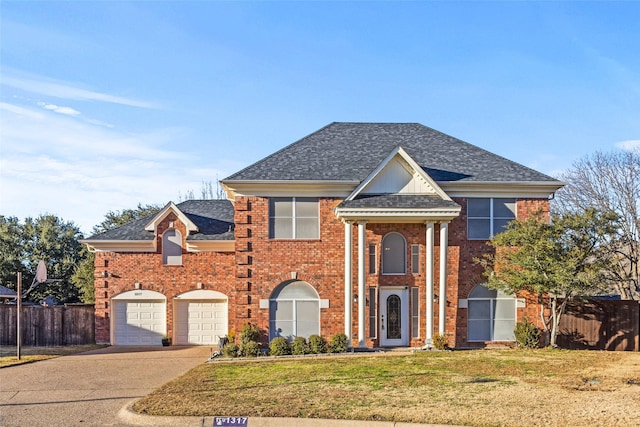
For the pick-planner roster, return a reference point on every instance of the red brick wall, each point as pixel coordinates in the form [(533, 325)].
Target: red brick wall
[(215, 270), (260, 264)]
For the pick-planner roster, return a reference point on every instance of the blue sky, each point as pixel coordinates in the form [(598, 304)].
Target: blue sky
[(104, 105)]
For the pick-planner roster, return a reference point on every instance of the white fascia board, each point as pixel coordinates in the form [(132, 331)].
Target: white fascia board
[(120, 245), (211, 245), (540, 190), (289, 188), (171, 207), (398, 215)]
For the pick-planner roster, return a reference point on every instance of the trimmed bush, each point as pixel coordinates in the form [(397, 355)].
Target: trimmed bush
[(300, 346), (279, 346), (249, 332), (527, 334), (441, 342), (317, 344), (338, 344), (251, 349), (231, 350)]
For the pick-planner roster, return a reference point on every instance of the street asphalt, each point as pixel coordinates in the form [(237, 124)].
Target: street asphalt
[(97, 388)]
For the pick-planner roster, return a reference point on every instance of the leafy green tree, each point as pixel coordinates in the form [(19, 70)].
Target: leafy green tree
[(557, 261), (54, 241), (84, 277), (114, 219), (11, 251)]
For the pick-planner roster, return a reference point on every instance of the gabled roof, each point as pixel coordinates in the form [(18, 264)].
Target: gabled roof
[(213, 220), (413, 171), (171, 208), (351, 151)]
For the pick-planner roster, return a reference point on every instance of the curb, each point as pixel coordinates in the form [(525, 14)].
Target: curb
[(127, 415)]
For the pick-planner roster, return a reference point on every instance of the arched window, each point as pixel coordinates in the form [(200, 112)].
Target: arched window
[(492, 315), (394, 254), (172, 247), (294, 311)]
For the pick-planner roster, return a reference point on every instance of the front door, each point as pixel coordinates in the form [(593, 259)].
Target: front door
[(394, 317)]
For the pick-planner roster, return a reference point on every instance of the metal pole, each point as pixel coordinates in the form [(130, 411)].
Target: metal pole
[(19, 310)]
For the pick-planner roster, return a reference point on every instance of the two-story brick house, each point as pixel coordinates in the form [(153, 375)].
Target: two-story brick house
[(367, 229)]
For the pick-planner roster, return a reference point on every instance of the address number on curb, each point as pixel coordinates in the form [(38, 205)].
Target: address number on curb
[(230, 421)]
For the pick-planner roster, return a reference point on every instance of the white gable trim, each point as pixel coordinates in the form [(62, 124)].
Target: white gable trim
[(399, 151), (120, 245), (211, 245), (171, 207)]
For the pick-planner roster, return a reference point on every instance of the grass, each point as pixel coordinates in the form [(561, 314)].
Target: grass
[(480, 388), (8, 354)]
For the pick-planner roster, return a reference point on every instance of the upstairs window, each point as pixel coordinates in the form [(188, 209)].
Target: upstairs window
[(294, 218), (394, 254), (372, 259), (415, 259), (172, 247), (488, 216)]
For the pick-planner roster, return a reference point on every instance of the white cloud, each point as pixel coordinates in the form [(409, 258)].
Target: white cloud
[(630, 145), (55, 163), (60, 110), (64, 90)]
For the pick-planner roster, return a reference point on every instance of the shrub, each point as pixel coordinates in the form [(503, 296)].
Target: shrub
[(249, 332), (441, 342), (231, 336), (317, 344), (230, 350), (300, 346), (279, 346), (338, 344), (527, 334), (250, 349)]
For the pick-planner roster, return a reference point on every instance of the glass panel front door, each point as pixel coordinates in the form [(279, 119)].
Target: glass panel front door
[(394, 317)]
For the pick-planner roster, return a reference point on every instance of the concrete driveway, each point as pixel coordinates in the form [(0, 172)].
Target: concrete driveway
[(89, 389)]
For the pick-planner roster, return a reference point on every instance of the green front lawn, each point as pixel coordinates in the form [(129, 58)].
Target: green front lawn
[(480, 388)]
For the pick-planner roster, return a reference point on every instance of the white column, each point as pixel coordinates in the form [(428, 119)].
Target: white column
[(361, 284), (348, 286), (442, 296), (430, 279)]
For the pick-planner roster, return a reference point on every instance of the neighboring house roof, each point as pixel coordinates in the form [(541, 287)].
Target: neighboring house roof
[(7, 293), (213, 219), (350, 151)]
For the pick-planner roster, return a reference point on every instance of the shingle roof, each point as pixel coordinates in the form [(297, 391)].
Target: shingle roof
[(399, 201), (350, 151), (214, 219), (7, 293)]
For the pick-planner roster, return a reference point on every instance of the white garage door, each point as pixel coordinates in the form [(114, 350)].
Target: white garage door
[(200, 321), (139, 321)]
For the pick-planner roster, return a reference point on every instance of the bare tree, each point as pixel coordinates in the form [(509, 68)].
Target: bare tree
[(208, 191), (610, 182)]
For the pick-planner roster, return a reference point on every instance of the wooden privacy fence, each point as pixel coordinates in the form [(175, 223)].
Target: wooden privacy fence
[(601, 325), (72, 324)]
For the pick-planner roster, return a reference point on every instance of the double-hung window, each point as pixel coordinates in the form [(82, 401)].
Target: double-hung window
[(294, 218), (488, 216)]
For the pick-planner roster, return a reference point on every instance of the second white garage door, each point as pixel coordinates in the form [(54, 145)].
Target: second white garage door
[(201, 321)]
